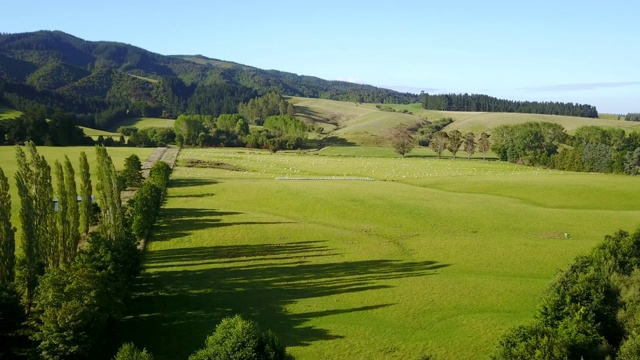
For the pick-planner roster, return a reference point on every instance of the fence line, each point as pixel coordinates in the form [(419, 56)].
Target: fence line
[(327, 178)]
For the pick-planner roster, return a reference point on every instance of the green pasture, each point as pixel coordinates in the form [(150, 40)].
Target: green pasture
[(432, 257), (95, 133), (364, 124), (144, 123), (485, 122)]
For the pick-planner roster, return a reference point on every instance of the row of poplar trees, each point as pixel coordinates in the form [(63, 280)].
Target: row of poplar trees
[(55, 300)]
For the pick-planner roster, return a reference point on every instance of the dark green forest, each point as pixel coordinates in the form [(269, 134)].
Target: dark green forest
[(103, 82), (485, 103)]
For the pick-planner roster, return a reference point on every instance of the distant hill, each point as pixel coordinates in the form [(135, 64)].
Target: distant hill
[(52, 68), (365, 124)]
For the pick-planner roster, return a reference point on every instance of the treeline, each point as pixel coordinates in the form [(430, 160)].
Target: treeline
[(32, 125), (257, 110), (280, 129), (57, 297), (590, 149), (591, 310), (485, 103), (632, 117)]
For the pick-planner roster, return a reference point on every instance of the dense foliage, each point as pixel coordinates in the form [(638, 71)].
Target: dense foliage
[(475, 102), (632, 117), (146, 203), (237, 338), (590, 149), (76, 291), (104, 82), (32, 125), (590, 311)]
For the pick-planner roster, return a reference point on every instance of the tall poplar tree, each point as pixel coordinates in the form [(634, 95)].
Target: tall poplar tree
[(62, 220), (73, 211), (38, 239), (112, 220), (7, 234), (85, 193)]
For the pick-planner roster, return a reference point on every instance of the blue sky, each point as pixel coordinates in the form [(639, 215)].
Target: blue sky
[(570, 51)]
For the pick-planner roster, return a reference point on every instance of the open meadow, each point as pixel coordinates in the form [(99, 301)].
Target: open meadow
[(144, 123), (431, 257)]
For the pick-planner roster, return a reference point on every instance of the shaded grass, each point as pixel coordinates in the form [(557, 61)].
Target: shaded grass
[(441, 257)]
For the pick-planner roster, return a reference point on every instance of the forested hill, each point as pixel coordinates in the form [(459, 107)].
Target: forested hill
[(53, 68)]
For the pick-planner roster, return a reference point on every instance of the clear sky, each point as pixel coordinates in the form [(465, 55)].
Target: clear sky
[(571, 51)]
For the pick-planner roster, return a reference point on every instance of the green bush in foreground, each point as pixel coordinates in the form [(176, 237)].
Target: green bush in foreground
[(237, 339), (128, 351), (590, 311)]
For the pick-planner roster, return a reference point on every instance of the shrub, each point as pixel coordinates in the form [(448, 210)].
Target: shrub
[(236, 338)]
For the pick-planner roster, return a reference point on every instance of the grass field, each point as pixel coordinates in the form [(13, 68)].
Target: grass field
[(433, 257), (144, 123), (364, 124)]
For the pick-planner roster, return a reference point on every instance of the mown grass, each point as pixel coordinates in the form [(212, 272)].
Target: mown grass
[(434, 257)]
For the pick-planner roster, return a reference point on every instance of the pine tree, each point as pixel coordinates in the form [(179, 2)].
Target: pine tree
[(7, 234), (85, 193)]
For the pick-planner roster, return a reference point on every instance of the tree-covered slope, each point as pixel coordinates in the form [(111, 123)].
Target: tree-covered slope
[(55, 60)]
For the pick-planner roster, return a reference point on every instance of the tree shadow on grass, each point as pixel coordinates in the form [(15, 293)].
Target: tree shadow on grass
[(177, 222), (190, 182), (187, 291)]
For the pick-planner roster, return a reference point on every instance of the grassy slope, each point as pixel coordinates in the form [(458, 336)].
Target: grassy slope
[(143, 123), (364, 124), (441, 257), (7, 113)]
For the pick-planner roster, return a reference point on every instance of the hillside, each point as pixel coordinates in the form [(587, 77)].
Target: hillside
[(53, 68), (364, 124)]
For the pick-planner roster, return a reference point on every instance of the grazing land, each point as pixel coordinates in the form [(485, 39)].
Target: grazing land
[(433, 257), (144, 123), (366, 125)]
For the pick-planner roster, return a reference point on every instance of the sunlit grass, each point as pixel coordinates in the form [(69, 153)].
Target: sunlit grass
[(6, 113), (144, 122), (433, 257)]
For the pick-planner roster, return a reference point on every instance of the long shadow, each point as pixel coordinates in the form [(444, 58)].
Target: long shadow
[(190, 182), (179, 300), (177, 222)]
